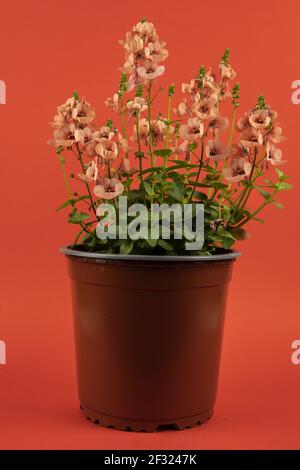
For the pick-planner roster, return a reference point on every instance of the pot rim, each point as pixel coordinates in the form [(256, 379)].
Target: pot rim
[(111, 256)]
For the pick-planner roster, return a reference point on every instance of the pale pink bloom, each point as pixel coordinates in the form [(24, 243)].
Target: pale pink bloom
[(251, 138), (59, 121), (83, 135), (274, 155), (227, 72), (182, 109), (145, 29), (216, 150), (150, 70), (236, 151), (243, 123), (238, 170), (259, 119), (143, 130), (133, 43), (122, 142), (276, 135), (184, 147), (205, 108), (107, 149), (67, 107), (192, 130), (91, 173), (137, 105), (108, 188), (273, 114), (83, 113), (65, 136), (155, 51), (158, 131), (129, 64), (218, 123), (125, 166), (189, 88), (113, 102), (209, 90), (105, 131)]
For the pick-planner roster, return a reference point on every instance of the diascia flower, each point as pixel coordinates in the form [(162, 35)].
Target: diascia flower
[(239, 168), (183, 149)]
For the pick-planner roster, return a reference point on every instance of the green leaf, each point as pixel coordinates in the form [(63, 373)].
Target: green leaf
[(278, 205), (126, 247), (282, 176), (165, 245), (163, 152), (240, 234), (148, 188), (81, 198), (77, 217), (193, 146), (263, 193), (69, 202), (151, 242), (283, 186)]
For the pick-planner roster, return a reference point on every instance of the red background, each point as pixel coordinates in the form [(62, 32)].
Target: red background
[(50, 48)]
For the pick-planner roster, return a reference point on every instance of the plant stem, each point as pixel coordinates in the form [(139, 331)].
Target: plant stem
[(63, 169), (232, 128), (262, 205), (124, 129), (199, 170), (149, 121), (139, 147), (86, 184)]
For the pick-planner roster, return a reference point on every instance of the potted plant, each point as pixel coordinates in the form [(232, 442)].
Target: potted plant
[(149, 297)]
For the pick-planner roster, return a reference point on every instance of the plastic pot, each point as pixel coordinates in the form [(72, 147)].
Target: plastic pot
[(148, 336)]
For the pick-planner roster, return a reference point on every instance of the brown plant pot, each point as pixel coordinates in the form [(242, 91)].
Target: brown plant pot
[(148, 335)]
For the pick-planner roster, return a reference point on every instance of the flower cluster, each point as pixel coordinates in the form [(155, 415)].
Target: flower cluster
[(182, 155)]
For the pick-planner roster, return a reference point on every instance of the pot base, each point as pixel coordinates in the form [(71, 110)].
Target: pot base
[(128, 424)]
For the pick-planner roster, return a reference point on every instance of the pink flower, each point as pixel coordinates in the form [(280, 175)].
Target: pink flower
[(91, 173), (259, 119), (238, 170), (108, 188), (219, 123), (243, 123), (113, 102), (65, 136), (150, 70), (251, 138), (107, 149), (133, 43), (143, 130), (274, 155), (227, 72), (145, 29), (205, 108), (276, 135), (216, 150), (156, 52), (83, 113), (137, 105), (158, 131), (192, 130)]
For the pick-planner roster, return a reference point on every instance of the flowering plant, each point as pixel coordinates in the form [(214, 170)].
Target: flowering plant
[(181, 156)]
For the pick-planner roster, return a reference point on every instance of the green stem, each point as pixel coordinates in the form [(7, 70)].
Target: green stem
[(199, 170), (63, 169), (86, 184), (139, 147), (232, 128), (124, 129), (260, 208), (149, 121)]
